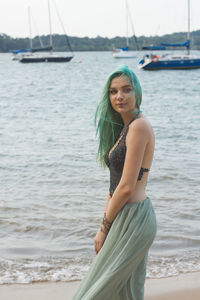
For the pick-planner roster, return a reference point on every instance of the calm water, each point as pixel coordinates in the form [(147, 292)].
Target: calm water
[(53, 191)]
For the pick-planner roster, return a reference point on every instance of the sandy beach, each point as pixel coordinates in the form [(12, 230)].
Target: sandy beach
[(182, 287)]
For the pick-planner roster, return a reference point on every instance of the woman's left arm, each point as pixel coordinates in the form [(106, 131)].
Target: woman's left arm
[(136, 142)]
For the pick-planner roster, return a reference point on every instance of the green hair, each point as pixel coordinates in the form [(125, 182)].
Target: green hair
[(109, 122)]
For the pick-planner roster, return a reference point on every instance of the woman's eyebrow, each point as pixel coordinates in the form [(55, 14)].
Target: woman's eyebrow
[(127, 85)]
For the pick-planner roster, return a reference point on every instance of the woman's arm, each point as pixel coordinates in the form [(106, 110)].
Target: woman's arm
[(101, 236), (136, 142), (107, 202)]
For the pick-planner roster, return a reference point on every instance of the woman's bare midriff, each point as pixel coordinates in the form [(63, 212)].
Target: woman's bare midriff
[(139, 193), (138, 196)]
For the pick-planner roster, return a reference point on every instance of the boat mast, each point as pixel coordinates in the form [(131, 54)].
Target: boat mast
[(30, 33), (127, 44), (133, 30), (50, 27), (188, 34), (62, 25)]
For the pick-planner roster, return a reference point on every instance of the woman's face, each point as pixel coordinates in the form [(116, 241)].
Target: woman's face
[(122, 95)]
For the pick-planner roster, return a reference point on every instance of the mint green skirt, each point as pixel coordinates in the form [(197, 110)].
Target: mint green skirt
[(118, 271)]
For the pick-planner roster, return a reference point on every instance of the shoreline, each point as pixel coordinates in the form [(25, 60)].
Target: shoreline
[(182, 287)]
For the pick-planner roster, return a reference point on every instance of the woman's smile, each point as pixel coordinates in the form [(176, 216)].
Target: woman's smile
[(121, 105)]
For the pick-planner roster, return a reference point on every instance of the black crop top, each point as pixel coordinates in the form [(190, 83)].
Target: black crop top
[(115, 158)]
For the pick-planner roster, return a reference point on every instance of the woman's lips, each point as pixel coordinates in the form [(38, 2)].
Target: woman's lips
[(120, 105)]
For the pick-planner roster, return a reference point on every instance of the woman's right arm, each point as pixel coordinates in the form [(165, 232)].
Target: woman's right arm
[(107, 202)]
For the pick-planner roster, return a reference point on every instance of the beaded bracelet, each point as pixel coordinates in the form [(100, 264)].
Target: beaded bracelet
[(104, 229), (106, 225)]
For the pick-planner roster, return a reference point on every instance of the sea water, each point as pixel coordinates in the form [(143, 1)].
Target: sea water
[(53, 190)]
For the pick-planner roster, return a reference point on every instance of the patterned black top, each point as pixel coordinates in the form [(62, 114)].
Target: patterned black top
[(115, 158)]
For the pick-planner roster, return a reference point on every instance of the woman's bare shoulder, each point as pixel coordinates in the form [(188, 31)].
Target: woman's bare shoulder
[(140, 125)]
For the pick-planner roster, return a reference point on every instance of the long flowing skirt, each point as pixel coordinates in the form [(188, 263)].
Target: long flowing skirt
[(118, 271)]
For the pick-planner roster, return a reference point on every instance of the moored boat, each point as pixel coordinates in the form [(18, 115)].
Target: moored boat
[(44, 58), (47, 56), (172, 61), (125, 52)]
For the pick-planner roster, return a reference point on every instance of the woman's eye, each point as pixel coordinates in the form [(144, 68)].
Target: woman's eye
[(128, 90), (125, 90), (113, 92)]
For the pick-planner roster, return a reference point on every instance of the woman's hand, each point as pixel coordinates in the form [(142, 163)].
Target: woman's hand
[(99, 240)]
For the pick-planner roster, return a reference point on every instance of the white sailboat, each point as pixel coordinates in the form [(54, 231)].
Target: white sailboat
[(125, 52), (19, 53), (48, 57)]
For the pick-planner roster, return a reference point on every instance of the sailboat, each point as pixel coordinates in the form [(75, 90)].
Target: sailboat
[(175, 61), (125, 52), (47, 57), (19, 53)]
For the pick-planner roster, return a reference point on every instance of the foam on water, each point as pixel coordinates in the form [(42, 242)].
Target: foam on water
[(54, 269)]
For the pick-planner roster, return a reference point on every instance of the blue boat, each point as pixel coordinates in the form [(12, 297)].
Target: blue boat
[(172, 61)]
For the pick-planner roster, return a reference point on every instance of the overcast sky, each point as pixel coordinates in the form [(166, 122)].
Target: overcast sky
[(106, 18)]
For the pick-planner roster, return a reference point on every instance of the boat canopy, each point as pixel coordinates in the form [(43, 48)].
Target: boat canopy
[(32, 50), (153, 48), (185, 44), (21, 51), (41, 49), (124, 49)]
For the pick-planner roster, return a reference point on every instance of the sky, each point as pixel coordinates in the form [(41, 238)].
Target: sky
[(92, 18)]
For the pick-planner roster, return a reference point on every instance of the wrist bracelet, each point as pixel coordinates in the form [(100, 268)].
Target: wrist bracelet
[(104, 229), (106, 225)]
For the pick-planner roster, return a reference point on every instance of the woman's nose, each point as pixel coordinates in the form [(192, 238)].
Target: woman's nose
[(120, 95)]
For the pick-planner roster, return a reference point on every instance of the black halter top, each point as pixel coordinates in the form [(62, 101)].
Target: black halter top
[(115, 158)]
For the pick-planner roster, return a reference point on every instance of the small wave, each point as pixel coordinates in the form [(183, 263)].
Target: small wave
[(172, 266), (7, 208), (44, 269), (53, 269)]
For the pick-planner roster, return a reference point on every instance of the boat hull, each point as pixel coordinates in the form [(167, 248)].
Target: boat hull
[(172, 65), (123, 54), (56, 59)]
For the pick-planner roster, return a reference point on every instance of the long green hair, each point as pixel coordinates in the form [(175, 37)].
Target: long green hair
[(109, 122)]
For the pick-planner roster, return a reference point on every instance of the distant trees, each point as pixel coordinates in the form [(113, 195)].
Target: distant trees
[(8, 43)]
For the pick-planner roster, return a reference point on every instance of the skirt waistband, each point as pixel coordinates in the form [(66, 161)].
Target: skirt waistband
[(138, 202)]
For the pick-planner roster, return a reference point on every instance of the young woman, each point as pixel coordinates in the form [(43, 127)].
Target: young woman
[(126, 146)]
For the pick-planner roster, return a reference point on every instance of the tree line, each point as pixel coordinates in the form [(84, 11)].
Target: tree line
[(8, 44)]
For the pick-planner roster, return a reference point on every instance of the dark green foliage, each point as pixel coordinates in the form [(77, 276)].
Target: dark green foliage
[(8, 43)]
